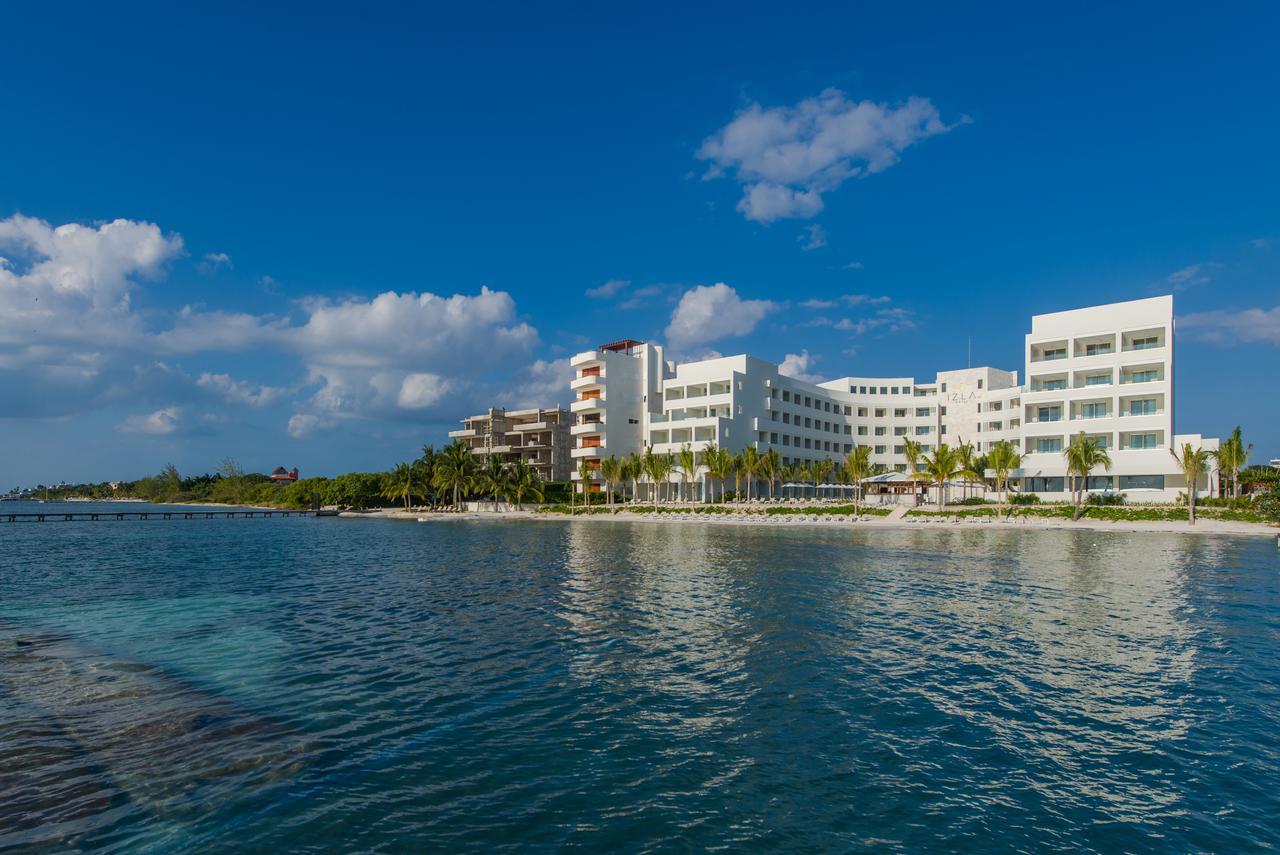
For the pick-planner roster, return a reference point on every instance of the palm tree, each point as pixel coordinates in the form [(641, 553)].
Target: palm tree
[(688, 462), (912, 451), (821, 472), (635, 469), (1192, 462), (524, 481), (720, 465), (735, 464), (585, 475), (401, 484), (1003, 458), (1232, 455), (1083, 456), (941, 468), (611, 469), (663, 466), (492, 478), (770, 467), (455, 470), (857, 465), (968, 466), (750, 466)]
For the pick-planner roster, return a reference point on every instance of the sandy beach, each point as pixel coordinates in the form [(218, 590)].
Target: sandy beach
[(833, 521)]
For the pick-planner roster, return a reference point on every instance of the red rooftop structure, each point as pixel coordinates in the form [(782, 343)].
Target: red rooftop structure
[(281, 476)]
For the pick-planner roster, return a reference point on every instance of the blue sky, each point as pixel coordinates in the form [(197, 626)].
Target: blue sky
[(318, 237)]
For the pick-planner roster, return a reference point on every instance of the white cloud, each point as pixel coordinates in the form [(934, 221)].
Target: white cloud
[(819, 304), (853, 265), (846, 300), (608, 289), (211, 262), (813, 237), (786, 158), (160, 423), (710, 312), (545, 383), (234, 391), (302, 425), (1191, 275), (797, 365), (1247, 326), (420, 390)]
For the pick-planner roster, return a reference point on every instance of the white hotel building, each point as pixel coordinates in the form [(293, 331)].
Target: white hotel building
[(1105, 370)]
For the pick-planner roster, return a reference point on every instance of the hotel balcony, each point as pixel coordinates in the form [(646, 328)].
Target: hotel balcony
[(587, 357), (593, 453), (587, 405), (586, 428), (589, 382), (463, 434), (528, 426)]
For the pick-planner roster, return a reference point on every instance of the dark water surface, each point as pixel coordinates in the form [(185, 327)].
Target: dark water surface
[(308, 684)]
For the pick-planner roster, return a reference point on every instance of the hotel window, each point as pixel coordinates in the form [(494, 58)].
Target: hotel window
[(944, 388), (884, 390), (847, 448), (786, 439), (979, 384), (899, 449), (808, 443), (1049, 414), (895, 390), (1056, 353), (1143, 407), (880, 431), (1098, 380), (786, 396), (848, 410), (1093, 411), (899, 414), (773, 416), (1053, 385), (1141, 482), (862, 412), (1049, 445), (921, 412), (900, 431), (862, 390), (1097, 349), (786, 418), (923, 430), (1148, 376), (1142, 440), (880, 449), (807, 401), (1044, 485), (926, 447), (942, 410), (862, 430), (1145, 343), (848, 430), (879, 412), (826, 446), (808, 422), (773, 438), (826, 405)]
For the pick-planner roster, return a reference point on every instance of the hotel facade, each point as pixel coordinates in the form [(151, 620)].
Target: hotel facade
[(1105, 370)]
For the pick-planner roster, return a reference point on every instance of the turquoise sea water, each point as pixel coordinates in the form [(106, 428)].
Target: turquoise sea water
[(330, 684)]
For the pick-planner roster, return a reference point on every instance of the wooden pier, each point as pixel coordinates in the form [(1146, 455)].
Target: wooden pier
[(94, 516)]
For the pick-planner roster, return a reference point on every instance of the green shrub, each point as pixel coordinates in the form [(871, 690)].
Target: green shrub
[(971, 500), (1102, 500), (1024, 499)]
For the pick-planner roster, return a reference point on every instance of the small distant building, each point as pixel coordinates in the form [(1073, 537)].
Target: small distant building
[(539, 436), (281, 476)]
